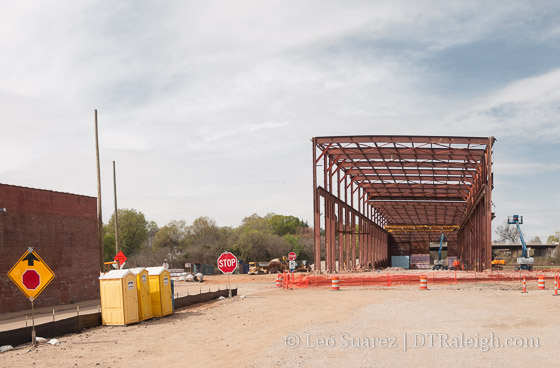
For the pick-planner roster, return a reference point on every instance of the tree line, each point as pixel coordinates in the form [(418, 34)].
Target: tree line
[(508, 233), (256, 239)]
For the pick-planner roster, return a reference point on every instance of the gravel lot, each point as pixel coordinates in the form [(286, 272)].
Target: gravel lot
[(446, 326)]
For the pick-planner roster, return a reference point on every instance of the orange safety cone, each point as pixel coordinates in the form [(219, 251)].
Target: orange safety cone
[(555, 288), (524, 285), (423, 282)]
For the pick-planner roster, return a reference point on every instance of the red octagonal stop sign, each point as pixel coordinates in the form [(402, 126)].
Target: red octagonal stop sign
[(227, 262), (31, 279)]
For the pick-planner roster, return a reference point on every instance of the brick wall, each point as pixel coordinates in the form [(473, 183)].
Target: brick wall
[(62, 229)]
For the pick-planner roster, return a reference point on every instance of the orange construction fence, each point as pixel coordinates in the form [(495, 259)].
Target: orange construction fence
[(301, 280)]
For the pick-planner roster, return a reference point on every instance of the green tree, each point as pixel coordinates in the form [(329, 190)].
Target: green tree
[(255, 245), (255, 222), (553, 238), (172, 236), (282, 225), (152, 228), (272, 236), (133, 230), (108, 244), (206, 240), (301, 246)]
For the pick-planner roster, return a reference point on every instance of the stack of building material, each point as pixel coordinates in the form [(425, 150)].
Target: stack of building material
[(420, 261)]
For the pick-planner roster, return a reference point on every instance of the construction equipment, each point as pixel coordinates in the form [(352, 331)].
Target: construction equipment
[(440, 264), (277, 265), (457, 265), (301, 266), (108, 266), (257, 268), (498, 264), (524, 262)]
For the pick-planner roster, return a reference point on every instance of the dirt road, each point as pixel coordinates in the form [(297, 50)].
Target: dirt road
[(447, 326)]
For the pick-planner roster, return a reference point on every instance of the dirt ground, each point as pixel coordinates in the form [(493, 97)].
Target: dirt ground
[(462, 325)]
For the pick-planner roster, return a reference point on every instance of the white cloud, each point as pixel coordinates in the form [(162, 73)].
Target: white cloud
[(208, 107), (527, 108)]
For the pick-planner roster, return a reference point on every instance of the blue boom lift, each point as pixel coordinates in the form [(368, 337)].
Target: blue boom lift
[(440, 264), (524, 262)]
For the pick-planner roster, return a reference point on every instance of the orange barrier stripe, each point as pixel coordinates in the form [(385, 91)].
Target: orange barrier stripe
[(302, 281)]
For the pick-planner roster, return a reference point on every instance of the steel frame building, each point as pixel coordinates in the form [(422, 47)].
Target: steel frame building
[(379, 196)]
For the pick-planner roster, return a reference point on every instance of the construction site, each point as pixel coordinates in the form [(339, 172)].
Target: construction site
[(372, 297), (393, 195)]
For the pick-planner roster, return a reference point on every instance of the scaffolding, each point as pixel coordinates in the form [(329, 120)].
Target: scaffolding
[(389, 195)]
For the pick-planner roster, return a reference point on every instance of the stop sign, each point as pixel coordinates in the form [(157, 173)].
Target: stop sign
[(31, 279), (292, 256), (227, 262)]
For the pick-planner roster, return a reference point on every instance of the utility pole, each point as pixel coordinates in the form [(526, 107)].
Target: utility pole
[(99, 213), (116, 212)]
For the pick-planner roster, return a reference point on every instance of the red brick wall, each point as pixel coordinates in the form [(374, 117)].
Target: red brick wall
[(62, 229)]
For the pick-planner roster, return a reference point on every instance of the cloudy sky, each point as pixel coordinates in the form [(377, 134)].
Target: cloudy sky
[(208, 107)]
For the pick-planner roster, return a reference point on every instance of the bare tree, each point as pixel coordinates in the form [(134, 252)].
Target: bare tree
[(507, 233)]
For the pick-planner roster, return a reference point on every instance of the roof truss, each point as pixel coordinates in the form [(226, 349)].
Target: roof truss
[(411, 180)]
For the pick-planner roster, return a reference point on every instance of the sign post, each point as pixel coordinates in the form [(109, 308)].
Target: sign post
[(227, 263), (292, 266), (31, 275), (292, 257)]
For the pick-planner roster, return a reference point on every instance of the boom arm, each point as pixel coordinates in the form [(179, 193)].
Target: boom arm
[(440, 245), (519, 220), (524, 250)]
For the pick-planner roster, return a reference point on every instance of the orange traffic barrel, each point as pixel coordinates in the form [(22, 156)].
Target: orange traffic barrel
[(279, 281), (335, 283), (423, 282), (540, 283)]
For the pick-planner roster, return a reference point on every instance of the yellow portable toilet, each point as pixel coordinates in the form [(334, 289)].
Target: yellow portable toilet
[(144, 299), (160, 291), (119, 297)]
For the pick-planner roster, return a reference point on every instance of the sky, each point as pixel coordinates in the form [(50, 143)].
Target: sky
[(208, 107)]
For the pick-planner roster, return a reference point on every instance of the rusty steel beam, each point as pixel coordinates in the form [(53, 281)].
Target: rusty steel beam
[(411, 171), (325, 194), (316, 212), (421, 228), (413, 164), (399, 154), (381, 179), (402, 139)]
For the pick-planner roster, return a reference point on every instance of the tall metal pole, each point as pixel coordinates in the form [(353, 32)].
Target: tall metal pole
[(99, 213), (116, 212)]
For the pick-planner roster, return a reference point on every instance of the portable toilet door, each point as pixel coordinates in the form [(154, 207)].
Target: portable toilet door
[(119, 298), (160, 291), (144, 299)]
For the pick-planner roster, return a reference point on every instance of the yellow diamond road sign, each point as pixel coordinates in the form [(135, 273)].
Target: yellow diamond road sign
[(31, 274)]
